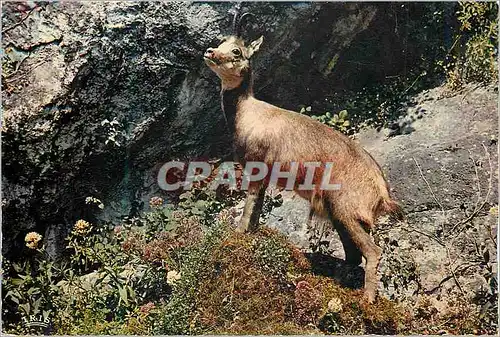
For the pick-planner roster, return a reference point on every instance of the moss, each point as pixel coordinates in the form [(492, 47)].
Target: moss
[(248, 288), (240, 295)]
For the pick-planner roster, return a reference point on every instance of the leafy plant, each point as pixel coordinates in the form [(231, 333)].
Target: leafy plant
[(270, 202), (206, 203), (338, 121), (474, 55), (113, 133), (33, 291), (192, 265), (272, 255)]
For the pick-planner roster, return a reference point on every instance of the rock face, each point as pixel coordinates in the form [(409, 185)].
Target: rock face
[(445, 175), (97, 96)]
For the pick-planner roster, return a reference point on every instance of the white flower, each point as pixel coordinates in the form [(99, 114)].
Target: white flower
[(335, 305), (92, 200), (173, 276)]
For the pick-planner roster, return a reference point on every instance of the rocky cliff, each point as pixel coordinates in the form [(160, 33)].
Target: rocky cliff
[(97, 96)]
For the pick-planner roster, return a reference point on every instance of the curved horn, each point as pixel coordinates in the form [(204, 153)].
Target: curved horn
[(240, 22), (236, 11), (235, 22)]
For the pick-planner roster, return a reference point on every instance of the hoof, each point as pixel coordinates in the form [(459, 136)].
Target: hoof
[(369, 297), (241, 229)]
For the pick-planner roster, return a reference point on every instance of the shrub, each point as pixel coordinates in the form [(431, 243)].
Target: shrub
[(474, 55), (177, 314)]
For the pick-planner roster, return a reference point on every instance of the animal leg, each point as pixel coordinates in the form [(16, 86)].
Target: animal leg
[(371, 252), (352, 252), (251, 212)]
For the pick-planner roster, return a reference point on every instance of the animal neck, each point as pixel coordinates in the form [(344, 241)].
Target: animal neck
[(231, 98)]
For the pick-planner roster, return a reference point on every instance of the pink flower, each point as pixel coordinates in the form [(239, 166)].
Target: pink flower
[(303, 285), (155, 202), (146, 308)]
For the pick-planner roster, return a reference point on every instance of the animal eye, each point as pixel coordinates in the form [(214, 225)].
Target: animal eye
[(236, 52)]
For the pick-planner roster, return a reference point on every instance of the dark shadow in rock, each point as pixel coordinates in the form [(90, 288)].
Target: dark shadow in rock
[(345, 274)]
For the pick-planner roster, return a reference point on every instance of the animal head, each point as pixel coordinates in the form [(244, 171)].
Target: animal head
[(231, 59)]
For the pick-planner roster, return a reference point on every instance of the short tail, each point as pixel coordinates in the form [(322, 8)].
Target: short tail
[(389, 206)]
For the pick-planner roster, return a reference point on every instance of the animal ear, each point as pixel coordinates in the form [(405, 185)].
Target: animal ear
[(254, 46)]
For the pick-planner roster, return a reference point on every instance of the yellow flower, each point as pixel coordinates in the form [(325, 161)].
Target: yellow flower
[(32, 239), (82, 227), (335, 305), (172, 277)]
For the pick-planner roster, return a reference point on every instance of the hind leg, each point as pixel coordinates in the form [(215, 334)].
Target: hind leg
[(352, 253), (371, 252)]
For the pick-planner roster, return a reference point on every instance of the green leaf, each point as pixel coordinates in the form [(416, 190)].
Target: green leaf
[(17, 267), (343, 114), (16, 281), (33, 291), (346, 123), (184, 196), (36, 306), (197, 211), (10, 294), (131, 293), (123, 295), (25, 307)]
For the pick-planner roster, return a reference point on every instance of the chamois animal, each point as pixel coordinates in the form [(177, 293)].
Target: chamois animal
[(266, 133)]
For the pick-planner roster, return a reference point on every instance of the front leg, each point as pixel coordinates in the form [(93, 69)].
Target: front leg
[(253, 207)]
